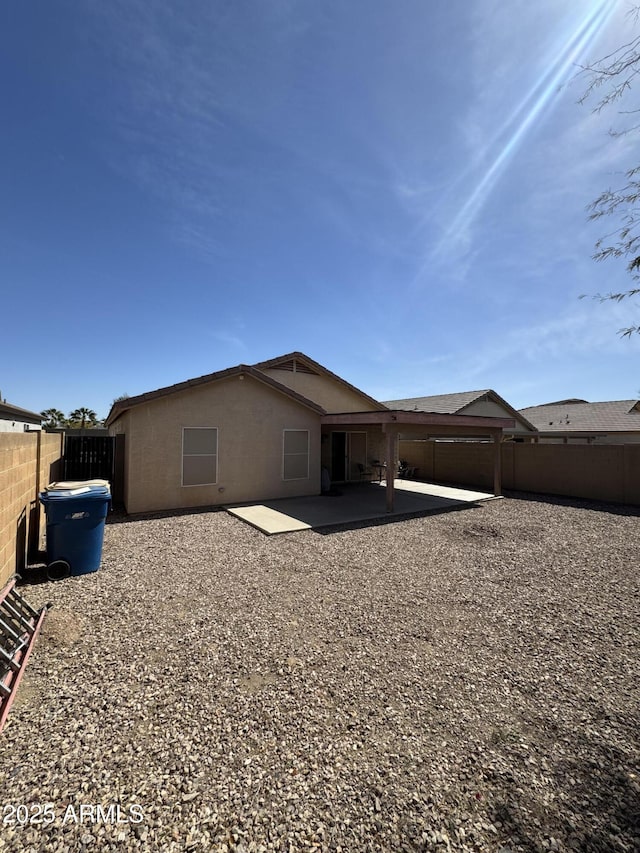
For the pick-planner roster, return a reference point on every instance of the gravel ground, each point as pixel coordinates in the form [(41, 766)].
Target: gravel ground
[(464, 681)]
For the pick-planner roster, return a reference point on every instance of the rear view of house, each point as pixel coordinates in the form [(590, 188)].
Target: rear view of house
[(241, 434)]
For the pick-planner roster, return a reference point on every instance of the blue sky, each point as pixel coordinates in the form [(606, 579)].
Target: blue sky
[(397, 189)]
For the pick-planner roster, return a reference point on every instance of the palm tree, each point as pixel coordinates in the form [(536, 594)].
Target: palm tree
[(82, 417), (53, 418)]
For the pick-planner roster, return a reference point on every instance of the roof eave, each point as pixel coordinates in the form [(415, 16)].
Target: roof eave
[(119, 408), (401, 418)]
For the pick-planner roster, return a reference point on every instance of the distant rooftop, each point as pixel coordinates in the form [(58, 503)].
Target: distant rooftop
[(581, 416), (9, 412), (457, 404)]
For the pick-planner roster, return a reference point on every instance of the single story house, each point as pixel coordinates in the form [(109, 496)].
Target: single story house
[(486, 403), (264, 431), (580, 422), (15, 419)]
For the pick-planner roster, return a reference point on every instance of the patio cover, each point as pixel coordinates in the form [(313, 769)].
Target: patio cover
[(429, 425)]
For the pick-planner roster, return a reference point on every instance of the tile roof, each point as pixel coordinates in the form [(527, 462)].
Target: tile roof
[(257, 372), (444, 404), (580, 416), (456, 404), (121, 406)]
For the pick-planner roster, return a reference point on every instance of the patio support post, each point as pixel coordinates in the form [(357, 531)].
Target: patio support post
[(497, 462), (392, 445)]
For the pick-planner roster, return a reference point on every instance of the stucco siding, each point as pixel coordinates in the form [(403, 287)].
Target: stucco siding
[(18, 426), (489, 408), (250, 418), (323, 390), (123, 427)]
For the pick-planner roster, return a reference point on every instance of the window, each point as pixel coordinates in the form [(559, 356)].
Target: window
[(295, 454), (199, 456)]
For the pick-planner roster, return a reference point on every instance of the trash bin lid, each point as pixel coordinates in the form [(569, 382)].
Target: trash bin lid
[(88, 490), (75, 484)]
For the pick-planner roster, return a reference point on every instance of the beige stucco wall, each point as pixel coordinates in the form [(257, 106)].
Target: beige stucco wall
[(250, 418), (323, 390), (122, 427), (489, 408), (9, 425)]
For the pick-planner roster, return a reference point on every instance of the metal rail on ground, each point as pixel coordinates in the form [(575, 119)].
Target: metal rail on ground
[(20, 624)]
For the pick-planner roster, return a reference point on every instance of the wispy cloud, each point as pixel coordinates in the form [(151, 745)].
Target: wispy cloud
[(503, 144), (521, 57), (229, 339), (579, 331), (194, 93), (523, 361)]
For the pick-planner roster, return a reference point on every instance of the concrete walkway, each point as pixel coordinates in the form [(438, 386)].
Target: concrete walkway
[(356, 503)]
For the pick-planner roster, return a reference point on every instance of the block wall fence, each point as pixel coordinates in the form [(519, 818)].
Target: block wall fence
[(28, 462), (608, 473)]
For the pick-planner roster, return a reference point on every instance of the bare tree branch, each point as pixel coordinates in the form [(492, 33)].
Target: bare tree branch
[(615, 74)]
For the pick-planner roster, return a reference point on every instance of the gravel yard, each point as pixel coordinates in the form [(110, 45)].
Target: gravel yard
[(465, 681)]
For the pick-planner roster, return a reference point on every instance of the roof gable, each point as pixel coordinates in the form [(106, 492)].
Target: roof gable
[(298, 362), (295, 362), (455, 404), (122, 406)]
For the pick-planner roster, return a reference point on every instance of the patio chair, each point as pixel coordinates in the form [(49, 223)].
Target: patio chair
[(363, 473)]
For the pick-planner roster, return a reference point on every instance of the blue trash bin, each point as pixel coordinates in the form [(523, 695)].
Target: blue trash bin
[(76, 514)]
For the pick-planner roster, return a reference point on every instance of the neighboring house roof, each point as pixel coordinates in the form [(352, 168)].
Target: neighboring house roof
[(15, 413), (122, 406), (580, 416), (445, 404), (298, 361), (455, 404)]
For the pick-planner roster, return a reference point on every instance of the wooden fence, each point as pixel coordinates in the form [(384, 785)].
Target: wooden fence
[(596, 472)]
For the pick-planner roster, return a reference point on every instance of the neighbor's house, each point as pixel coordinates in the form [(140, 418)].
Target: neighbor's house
[(581, 422), (485, 403), (15, 419), (264, 431)]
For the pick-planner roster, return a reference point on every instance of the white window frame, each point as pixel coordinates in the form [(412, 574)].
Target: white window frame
[(217, 453), (293, 479)]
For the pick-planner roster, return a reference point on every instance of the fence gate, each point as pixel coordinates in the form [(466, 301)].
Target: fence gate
[(88, 457)]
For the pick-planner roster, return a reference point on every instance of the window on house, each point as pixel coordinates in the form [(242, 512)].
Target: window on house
[(295, 454), (199, 456)]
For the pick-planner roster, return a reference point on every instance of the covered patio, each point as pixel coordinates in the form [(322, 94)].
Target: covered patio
[(387, 425), (377, 495)]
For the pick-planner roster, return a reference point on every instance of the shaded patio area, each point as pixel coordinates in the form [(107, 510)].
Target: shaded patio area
[(354, 504)]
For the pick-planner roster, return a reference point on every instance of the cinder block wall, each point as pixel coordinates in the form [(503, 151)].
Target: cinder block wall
[(597, 472), (420, 455), (28, 461)]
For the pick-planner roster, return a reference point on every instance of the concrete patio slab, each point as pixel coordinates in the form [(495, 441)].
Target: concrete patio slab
[(267, 519), (355, 503)]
